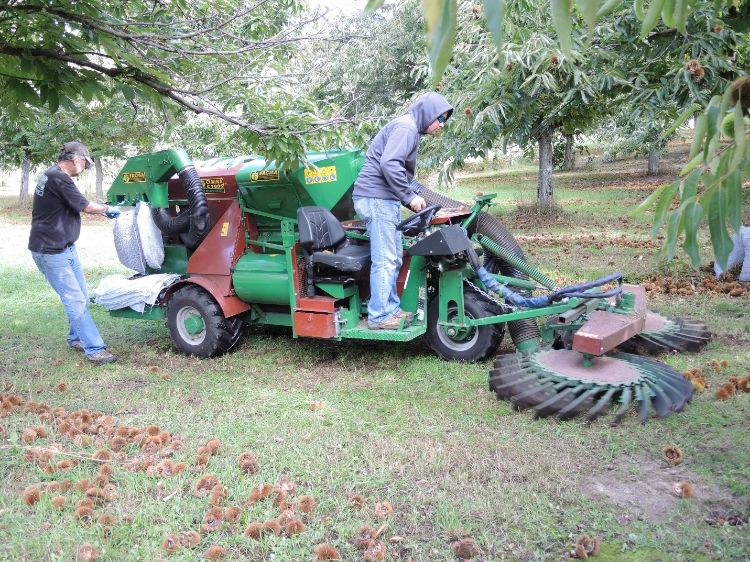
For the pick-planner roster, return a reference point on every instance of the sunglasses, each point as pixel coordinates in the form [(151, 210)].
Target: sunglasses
[(442, 119)]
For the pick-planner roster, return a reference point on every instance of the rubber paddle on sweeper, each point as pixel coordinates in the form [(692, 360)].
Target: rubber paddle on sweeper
[(663, 335), (560, 383)]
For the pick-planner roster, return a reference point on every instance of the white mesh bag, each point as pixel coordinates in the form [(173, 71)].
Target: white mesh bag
[(127, 242), (152, 243)]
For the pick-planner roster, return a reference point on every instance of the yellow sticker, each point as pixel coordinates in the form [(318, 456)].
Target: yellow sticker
[(264, 175), (134, 177), (224, 229), (213, 185), (324, 174)]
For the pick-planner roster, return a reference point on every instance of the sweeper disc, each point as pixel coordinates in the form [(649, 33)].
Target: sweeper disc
[(560, 383), (663, 335)]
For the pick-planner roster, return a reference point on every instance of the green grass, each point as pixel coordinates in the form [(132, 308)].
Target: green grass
[(397, 423)]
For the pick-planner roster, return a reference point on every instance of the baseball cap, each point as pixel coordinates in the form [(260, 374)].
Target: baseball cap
[(75, 148)]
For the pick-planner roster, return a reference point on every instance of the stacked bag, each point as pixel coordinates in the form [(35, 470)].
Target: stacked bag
[(140, 247)]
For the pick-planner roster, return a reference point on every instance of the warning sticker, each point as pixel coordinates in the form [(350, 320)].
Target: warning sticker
[(213, 185), (324, 174), (264, 175), (134, 177)]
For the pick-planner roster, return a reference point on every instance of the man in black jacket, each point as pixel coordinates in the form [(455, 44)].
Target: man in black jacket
[(55, 227)]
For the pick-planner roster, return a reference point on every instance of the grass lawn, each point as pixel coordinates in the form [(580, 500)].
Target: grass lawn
[(387, 422)]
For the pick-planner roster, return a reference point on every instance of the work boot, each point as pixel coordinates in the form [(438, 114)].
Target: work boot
[(102, 358), (78, 346), (403, 314), (393, 323)]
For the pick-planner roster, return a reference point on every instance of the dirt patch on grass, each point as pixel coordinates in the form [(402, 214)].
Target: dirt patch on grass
[(645, 488)]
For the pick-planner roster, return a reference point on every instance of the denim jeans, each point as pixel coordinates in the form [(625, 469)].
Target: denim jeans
[(64, 272), (381, 217)]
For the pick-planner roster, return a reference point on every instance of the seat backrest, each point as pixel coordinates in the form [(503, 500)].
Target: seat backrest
[(318, 229)]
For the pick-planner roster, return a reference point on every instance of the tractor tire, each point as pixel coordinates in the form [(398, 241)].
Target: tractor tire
[(198, 326), (471, 345)]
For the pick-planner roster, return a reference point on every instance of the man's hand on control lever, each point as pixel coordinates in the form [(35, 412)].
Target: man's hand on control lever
[(417, 204)]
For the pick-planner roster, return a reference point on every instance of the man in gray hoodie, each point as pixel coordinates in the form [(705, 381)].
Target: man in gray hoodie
[(386, 182)]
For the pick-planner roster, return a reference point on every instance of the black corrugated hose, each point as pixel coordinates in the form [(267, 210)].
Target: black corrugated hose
[(193, 223)]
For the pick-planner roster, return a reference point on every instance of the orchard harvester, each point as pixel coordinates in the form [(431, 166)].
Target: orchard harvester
[(258, 245)]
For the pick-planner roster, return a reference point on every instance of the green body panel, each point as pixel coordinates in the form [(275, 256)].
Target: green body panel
[(360, 332), (151, 313), (175, 260), (337, 290), (326, 182), (262, 278), (144, 178)]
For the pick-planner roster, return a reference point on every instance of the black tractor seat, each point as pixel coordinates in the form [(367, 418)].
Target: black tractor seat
[(323, 239)]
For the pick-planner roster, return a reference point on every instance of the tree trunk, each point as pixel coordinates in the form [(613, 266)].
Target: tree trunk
[(654, 153), (25, 171), (569, 161), (99, 177), (544, 186)]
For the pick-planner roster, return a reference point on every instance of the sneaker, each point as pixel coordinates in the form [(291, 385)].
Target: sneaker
[(102, 358), (78, 346), (393, 323)]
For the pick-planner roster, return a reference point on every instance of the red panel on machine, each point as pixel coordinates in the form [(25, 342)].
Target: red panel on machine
[(606, 330), (314, 324), (222, 247)]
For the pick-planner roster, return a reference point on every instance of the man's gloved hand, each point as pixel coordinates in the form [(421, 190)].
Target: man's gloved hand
[(111, 213)]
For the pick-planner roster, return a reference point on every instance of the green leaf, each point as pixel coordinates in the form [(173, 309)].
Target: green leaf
[(680, 15), (652, 17), (717, 218), (608, 7), (662, 206), (698, 133), (680, 121), (734, 199), (440, 16), (562, 21), (589, 9), (373, 5), (694, 163), (640, 12), (649, 201), (689, 186), (693, 217), (494, 14), (673, 226), (667, 13), (739, 136)]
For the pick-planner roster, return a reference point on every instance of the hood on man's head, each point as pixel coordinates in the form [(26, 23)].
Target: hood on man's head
[(427, 108), (75, 148)]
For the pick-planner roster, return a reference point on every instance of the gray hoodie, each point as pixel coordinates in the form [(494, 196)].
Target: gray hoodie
[(392, 157)]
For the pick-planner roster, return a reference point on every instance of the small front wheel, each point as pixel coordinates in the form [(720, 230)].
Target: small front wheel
[(463, 344), (197, 324)]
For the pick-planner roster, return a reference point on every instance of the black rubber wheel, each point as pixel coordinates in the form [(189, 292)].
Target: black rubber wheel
[(198, 326), (472, 344)]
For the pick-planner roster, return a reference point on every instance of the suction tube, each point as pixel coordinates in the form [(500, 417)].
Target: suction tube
[(194, 223)]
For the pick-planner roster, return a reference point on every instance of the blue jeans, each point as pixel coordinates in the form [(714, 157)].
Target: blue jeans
[(64, 272), (381, 217)]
